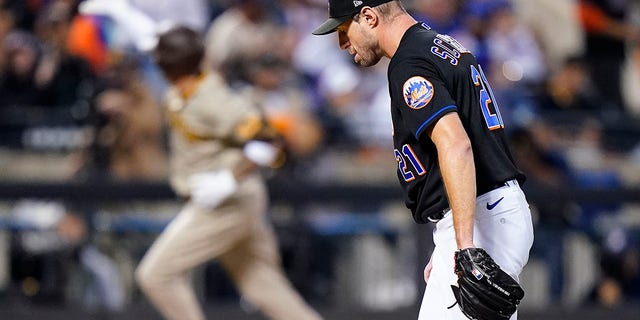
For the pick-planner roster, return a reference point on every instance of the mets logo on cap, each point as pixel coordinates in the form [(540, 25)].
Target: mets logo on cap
[(417, 92)]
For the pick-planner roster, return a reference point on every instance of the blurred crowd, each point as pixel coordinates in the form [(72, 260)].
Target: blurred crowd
[(80, 99)]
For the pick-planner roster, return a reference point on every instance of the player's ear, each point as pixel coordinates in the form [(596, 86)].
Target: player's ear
[(369, 17)]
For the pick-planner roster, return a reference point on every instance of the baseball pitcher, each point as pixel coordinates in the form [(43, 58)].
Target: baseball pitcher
[(453, 159)]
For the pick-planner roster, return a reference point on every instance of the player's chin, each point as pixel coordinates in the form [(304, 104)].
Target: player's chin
[(365, 62)]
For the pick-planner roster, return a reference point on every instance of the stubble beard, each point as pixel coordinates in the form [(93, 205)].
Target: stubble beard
[(369, 60), (369, 56)]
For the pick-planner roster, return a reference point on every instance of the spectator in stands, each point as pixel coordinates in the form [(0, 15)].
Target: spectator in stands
[(441, 15), (310, 57), (273, 87), (7, 21), (22, 13), (38, 267), (619, 259), (88, 39), (104, 30), (351, 113), (245, 31), (546, 169), (555, 25), (128, 143), (337, 86), (475, 18), (192, 13), (64, 78), (55, 256), (18, 87), (134, 23), (516, 58), (570, 89), (515, 65), (607, 33)]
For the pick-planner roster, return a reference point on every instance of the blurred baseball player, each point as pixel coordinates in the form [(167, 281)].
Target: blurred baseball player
[(453, 160), (218, 140)]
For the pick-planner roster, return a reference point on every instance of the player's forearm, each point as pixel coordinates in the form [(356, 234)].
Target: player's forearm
[(455, 157), (258, 154), (243, 169), (458, 174)]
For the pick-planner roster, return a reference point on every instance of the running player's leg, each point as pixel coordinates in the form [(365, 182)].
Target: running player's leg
[(254, 265), (195, 236)]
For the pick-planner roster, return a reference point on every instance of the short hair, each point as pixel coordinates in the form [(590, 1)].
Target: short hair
[(387, 11), (179, 52)]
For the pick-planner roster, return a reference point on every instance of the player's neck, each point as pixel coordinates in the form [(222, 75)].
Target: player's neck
[(391, 35), (187, 85)]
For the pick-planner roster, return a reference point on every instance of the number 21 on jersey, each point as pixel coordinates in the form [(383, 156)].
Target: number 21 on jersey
[(494, 120), (413, 160)]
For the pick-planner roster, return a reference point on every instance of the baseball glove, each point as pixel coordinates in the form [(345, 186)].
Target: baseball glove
[(484, 291)]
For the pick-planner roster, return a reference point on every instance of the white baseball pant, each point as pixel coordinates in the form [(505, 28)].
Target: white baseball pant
[(503, 227)]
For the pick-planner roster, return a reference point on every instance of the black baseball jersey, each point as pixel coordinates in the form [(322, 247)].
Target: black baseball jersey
[(431, 75)]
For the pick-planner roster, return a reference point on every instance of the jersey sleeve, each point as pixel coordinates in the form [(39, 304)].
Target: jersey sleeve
[(214, 114), (225, 115), (235, 119), (420, 94)]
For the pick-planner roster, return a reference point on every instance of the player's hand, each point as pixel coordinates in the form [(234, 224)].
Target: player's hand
[(261, 153), (212, 188), (484, 290), (427, 271)]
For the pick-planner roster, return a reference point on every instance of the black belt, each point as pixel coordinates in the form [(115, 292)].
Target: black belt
[(495, 186), (499, 185)]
